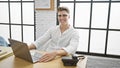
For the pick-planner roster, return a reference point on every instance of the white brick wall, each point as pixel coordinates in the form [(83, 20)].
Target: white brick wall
[(44, 20)]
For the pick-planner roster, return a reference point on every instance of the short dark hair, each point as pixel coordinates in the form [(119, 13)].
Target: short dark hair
[(63, 9)]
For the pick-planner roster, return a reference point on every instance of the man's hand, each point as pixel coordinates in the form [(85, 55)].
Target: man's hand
[(48, 57), (31, 46)]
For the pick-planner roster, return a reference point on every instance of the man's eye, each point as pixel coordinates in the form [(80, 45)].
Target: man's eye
[(64, 15), (59, 15)]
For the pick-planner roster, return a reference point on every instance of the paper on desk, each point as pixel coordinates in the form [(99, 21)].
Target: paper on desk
[(2, 52), (5, 51), (82, 63)]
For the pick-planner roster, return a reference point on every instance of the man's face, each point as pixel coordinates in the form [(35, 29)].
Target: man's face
[(63, 17)]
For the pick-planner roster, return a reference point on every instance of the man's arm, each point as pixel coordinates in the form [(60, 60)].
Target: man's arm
[(48, 56), (31, 46), (61, 52)]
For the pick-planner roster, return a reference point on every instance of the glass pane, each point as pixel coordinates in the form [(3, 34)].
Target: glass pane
[(28, 0), (4, 16), (15, 13), (113, 43), (15, 0), (82, 15), (4, 31), (3, 0), (100, 0), (115, 16), (115, 0), (83, 0), (83, 41), (28, 34), (99, 15), (97, 41), (16, 32), (66, 0), (70, 7), (28, 13), (93, 0)]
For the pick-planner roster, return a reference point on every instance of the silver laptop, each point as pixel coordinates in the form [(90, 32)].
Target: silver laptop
[(21, 50)]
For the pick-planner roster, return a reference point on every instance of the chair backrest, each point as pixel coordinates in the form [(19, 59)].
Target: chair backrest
[(3, 42)]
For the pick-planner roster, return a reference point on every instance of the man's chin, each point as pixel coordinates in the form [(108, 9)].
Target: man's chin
[(63, 22)]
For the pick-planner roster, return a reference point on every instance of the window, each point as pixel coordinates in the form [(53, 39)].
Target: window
[(97, 22), (17, 20)]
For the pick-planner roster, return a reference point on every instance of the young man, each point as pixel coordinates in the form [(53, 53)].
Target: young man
[(63, 39)]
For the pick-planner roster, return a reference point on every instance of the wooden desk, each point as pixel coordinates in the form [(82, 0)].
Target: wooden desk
[(14, 62)]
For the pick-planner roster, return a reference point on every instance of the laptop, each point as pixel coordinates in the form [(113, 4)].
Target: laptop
[(21, 50)]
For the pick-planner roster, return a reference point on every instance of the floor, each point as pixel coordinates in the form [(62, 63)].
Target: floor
[(102, 62)]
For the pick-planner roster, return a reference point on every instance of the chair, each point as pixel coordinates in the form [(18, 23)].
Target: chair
[(3, 42)]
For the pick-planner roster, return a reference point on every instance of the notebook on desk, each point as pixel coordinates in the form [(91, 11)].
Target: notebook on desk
[(5, 52), (2, 52), (21, 50)]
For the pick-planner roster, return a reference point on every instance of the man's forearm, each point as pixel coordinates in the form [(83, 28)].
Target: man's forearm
[(61, 52)]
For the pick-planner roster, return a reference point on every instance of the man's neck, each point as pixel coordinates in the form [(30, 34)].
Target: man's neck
[(64, 27)]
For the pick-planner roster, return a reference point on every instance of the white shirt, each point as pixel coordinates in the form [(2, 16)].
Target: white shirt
[(53, 39)]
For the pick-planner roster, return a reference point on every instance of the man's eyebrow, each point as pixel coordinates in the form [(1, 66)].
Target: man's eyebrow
[(62, 14)]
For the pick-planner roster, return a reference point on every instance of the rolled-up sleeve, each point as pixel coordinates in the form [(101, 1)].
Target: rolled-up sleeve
[(74, 42), (43, 39)]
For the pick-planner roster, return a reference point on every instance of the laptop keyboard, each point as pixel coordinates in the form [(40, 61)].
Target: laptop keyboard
[(36, 56)]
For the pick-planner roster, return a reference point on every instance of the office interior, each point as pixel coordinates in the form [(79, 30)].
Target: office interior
[(97, 22)]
